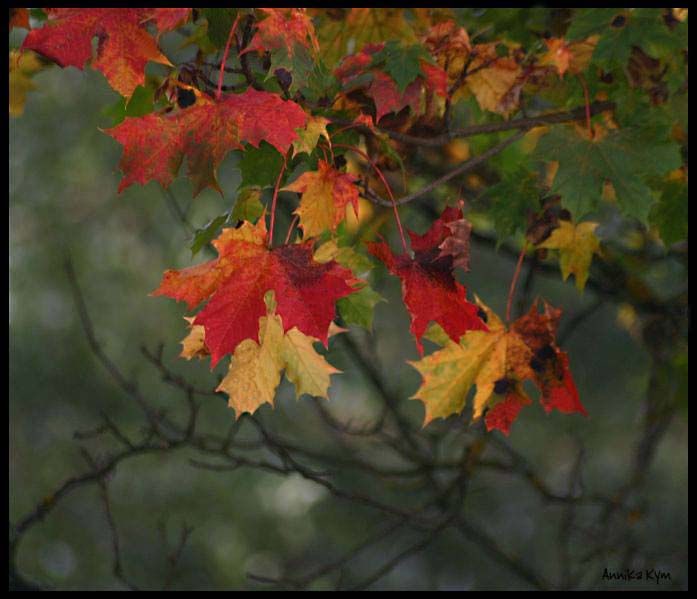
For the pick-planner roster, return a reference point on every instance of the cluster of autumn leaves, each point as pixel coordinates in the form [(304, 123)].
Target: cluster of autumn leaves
[(266, 306)]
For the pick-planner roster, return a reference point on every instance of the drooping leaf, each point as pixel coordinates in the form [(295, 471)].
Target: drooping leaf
[(622, 156), (155, 145), (325, 194), (125, 46), (576, 245), (255, 369), (498, 361), (236, 282), (429, 288)]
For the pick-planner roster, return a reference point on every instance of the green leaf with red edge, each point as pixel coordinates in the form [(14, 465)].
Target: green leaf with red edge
[(125, 46), (429, 288), (235, 283), (155, 145)]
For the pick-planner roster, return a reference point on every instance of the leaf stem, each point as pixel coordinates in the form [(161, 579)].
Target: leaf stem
[(219, 92), (290, 228), (273, 202), (511, 291), (387, 187)]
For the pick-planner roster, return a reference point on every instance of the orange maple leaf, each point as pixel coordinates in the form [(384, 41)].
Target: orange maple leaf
[(284, 27)]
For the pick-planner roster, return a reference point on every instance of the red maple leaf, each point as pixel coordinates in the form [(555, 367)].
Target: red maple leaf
[(155, 145), (429, 288), (383, 90), (284, 27), (235, 284), (167, 19), (549, 363), (124, 47)]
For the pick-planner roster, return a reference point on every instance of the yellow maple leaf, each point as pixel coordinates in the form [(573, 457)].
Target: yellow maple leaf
[(325, 195), (495, 82), (309, 135), (481, 358), (576, 245), (255, 369)]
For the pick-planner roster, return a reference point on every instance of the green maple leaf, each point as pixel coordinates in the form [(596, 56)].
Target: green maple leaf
[(402, 63), (260, 166), (517, 194), (620, 29), (623, 156)]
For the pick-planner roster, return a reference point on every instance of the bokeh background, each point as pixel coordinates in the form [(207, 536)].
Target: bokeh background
[(63, 202)]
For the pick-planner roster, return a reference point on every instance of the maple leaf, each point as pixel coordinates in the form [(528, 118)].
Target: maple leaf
[(568, 56), (450, 46), (235, 284), (325, 195), (156, 144), (342, 31), (356, 71), (255, 369), (496, 82), (498, 361), (168, 19), (308, 136), (622, 156), (457, 244), (124, 44), (429, 288), (289, 27), (576, 245)]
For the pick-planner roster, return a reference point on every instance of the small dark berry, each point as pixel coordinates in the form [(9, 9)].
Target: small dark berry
[(564, 214), (618, 21), (501, 386), (339, 162), (482, 315)]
